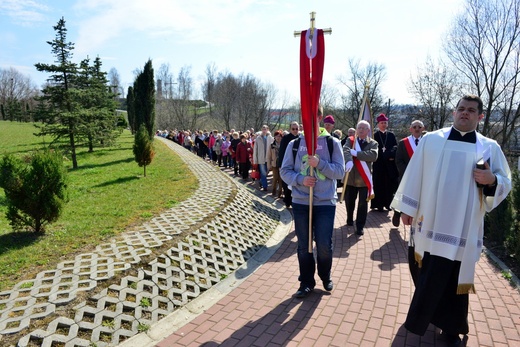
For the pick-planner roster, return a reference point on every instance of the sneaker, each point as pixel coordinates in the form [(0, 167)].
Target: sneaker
[(360, 231), (395, 219), (303, 292), (328, 285)]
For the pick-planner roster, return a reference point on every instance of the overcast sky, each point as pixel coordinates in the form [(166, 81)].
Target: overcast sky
[(240, 36)]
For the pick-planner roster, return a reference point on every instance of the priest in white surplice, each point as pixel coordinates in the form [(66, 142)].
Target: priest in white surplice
[(444, 197)]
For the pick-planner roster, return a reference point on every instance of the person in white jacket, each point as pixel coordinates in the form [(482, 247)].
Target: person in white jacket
[(262, 144)]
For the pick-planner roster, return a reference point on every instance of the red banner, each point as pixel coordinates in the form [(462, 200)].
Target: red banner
[(312, 58)]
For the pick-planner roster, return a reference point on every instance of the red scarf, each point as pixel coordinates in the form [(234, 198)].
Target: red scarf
[(363, 169), (408, 147)]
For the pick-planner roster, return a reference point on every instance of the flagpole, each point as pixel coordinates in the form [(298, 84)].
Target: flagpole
[(310, 85), (360, 117)]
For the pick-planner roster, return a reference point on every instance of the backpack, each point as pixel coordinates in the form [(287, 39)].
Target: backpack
[(296, 146)]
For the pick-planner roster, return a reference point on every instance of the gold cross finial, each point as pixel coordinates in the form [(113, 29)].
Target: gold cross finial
[(313, 26)]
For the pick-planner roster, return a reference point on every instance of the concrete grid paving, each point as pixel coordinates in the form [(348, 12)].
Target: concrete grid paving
[(218, 238)]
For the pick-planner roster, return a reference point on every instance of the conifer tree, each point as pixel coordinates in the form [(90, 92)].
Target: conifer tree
[(98, 105), (58, 109), (130, 109), (144, 99), (143, 148)]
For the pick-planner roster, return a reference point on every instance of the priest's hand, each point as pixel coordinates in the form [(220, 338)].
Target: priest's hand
[(407, 220), (484, 176), (309, 181)]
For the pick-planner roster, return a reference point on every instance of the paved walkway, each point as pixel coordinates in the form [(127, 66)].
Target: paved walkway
[(367, 307), (223, 272)]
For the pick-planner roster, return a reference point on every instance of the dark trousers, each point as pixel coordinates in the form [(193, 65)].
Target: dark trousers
[(235, 167), (360, 194), (244, 169), (225, 160), (287, 194), (323, 227), (435, 299)]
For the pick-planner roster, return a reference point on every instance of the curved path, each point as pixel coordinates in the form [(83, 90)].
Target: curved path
[(367, 307)]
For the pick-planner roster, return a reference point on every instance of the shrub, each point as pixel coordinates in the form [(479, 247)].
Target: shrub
[(143, 148), (498, 222), (35, 191), (513, 240)]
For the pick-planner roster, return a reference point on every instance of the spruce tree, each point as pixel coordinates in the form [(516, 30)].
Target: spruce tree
[(98, 116), (59, 109)]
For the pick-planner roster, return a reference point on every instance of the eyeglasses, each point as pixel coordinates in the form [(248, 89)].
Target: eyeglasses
[(295, 129), (417, 127)]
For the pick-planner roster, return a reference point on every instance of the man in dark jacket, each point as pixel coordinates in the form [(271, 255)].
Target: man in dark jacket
[(293, 134), (384, 173)]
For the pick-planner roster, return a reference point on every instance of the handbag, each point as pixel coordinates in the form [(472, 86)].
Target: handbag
[(255, 174)]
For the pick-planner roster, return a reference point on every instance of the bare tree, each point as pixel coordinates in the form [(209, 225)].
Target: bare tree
[(225, 96), (435, 87), (115, 82), (164, 100), (484, 46), (208, 87), (182, 98), (373, 74), (17, 93)]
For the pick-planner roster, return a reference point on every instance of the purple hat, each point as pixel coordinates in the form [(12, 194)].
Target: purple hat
[(329, 119), (382, 118)]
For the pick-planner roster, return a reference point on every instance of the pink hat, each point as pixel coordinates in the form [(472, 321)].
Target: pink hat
[(329, 119), (382, 118)]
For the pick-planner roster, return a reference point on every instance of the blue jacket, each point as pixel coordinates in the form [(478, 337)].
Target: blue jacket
[(328, 172)]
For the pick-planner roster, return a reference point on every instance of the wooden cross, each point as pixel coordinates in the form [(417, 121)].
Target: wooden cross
[(312, 26)]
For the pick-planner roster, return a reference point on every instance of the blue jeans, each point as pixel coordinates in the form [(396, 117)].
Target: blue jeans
[(323, 226), (263, 174)]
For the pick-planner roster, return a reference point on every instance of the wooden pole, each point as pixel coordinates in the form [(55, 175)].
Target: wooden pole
[(312, 152)]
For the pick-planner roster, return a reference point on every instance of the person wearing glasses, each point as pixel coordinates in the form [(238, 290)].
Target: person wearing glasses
[(405, 149), (293, 134)]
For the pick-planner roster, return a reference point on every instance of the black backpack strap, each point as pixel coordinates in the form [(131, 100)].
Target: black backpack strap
[(330, 146), (295, 147)]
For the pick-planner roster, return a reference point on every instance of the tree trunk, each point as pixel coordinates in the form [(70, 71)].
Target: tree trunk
[(72, 147)]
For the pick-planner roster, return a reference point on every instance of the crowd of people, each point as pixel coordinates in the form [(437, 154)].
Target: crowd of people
[(439, 183)]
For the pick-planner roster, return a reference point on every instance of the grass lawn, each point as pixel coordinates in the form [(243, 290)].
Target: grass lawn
[(107, 194)]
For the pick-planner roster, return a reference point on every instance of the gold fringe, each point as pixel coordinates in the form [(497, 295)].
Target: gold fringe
[(418, 259), (466, 288), (370, 197)]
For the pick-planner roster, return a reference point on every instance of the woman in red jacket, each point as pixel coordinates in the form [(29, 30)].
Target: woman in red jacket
[(242, 156)]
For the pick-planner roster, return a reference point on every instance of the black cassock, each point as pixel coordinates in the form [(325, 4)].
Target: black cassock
[(384, 171)]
